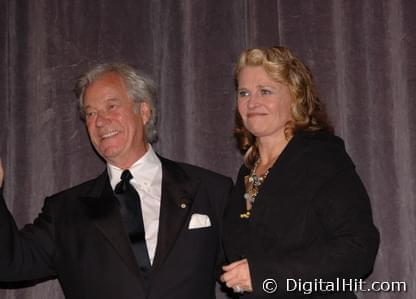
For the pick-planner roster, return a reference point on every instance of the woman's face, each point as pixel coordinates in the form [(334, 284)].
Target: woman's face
[(263, 103)]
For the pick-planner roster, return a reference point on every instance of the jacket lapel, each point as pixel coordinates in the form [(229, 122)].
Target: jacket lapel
[(102, 208), (278, 177), (178, 191)]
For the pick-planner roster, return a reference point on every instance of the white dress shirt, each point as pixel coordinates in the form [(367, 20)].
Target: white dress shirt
[(147, 180)]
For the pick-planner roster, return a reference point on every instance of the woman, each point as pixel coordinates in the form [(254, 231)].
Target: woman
[(299, 216)]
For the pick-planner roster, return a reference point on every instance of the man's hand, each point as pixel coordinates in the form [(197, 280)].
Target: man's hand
[(1, 174)]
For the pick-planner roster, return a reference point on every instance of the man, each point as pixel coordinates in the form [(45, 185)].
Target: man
[(150, 232)]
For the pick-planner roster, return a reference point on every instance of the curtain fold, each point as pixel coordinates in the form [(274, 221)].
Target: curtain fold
[(362, 54)]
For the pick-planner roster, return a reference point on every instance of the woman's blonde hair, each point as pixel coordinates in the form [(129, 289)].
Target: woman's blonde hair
[(307, 111)]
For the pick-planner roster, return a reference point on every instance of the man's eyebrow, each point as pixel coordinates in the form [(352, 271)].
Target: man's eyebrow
[(110, 99)]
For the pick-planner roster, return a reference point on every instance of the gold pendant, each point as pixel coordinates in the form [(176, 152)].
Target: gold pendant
[(245, 215)]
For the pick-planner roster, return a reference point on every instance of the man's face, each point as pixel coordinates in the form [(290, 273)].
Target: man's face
[(115, 123)]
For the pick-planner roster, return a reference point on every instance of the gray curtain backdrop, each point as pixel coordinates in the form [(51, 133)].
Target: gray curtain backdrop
[(362, 52)]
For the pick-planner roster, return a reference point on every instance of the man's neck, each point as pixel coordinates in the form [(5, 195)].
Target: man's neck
[(127, 162)]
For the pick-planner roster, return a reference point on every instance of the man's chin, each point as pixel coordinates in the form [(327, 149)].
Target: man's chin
[(109, 154)]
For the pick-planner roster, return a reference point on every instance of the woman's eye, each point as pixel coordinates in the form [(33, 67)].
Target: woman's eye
[(265, 91), (243, 93)]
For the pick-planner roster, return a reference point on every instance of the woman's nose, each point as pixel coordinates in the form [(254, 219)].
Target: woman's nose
[(253, 100)]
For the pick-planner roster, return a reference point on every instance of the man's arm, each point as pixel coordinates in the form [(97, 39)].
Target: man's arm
[(24, 254), (220, 203)]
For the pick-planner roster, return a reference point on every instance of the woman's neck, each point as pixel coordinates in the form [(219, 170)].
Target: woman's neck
[(269, 150)]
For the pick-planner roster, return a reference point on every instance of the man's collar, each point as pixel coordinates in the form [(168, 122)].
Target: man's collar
[(144, 166)]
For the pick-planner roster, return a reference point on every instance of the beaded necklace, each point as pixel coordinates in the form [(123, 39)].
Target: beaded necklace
[(252, 184)]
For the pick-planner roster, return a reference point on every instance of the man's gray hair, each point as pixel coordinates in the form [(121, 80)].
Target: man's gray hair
[(140, 88)]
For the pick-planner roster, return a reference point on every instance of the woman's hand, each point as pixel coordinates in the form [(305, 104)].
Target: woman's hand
[(237, 276)]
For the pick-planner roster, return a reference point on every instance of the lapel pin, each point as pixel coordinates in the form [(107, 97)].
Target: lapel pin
[(183, 205)]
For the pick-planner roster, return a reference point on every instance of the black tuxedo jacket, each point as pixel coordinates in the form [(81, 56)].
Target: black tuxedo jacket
[(79, 238), (311, 220)]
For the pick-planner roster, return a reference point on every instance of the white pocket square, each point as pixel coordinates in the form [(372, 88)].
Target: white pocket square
[(199, 221)]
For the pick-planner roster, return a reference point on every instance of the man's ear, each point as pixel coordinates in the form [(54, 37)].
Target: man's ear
[(145, 112)]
